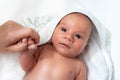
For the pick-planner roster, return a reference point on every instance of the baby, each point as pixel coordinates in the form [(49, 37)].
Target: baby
[(59, 60)]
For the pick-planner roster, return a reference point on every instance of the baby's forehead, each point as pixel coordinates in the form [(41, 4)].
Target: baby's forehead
[(82, 15)]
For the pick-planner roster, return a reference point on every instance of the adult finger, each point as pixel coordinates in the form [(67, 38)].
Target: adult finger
[(29, 32), (24, 33), (17, 47)]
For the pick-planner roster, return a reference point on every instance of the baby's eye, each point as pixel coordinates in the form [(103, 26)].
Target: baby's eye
[(63, 29), (78, 36)]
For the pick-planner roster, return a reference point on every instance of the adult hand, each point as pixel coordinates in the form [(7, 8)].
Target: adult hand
[(12, 32)]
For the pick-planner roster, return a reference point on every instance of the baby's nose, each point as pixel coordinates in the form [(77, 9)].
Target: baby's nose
[(69, 37)]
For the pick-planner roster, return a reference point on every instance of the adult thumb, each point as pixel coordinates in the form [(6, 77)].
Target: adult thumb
[(17, 47)]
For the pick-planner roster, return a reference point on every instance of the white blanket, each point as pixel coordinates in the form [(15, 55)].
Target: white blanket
[(97, 57)]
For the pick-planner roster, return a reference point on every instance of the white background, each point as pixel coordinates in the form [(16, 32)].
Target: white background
[(107, 11)]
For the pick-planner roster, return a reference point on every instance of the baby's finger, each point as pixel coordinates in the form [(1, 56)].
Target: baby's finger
[(30, 41), (32, 47), (24, 40)]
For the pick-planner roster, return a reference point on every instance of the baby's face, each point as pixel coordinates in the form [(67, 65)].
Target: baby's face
[(71, 34)]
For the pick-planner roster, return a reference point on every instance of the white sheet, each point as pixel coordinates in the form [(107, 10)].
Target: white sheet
[(106, 10), (10, 68)]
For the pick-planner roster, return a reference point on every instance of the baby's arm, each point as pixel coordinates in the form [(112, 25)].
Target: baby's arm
[(27, 60), (27, 57), (83, 73)]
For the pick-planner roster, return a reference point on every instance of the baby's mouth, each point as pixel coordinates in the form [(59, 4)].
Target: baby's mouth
[(65, 45)]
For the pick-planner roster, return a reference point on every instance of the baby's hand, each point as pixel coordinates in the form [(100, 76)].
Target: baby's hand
[(23, 44), (27, 44)]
